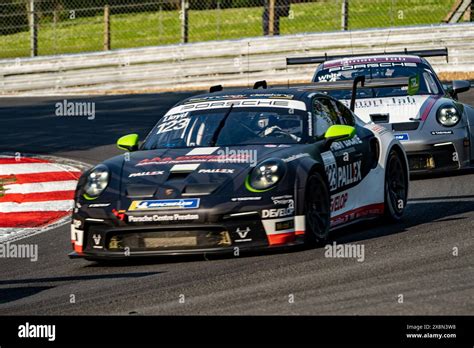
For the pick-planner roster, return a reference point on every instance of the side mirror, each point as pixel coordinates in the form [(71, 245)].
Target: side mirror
[(338, 132), (459, 86), (128, 142)]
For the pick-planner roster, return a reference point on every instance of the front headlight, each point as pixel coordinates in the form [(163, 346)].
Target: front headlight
[(266, 175), (97, 181), (448, 116)]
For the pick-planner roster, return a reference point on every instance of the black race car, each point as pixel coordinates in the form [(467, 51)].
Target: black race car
[(232, 171)]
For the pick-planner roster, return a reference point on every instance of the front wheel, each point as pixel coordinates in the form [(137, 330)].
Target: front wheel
[(396, 187), (317, 210)]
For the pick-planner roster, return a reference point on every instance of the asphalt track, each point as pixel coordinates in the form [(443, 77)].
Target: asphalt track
[(413, 258)]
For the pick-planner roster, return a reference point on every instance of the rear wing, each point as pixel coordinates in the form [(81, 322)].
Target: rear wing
[(365, 83), (443, 52)]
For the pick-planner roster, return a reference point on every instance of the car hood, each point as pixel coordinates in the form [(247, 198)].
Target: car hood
[(398, 109), (188, 171)]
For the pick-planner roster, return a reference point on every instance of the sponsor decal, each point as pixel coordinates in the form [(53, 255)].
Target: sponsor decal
[(361, 60), (214, 97), (295, 157), (157, 172), (351, 66), (273, 95), (361, 212), (96, 238), (331, 77), (413, 84), (119, 214), (98, 205), (239, 103), (402, 136), (338, 202), (163, 204), (285, 225), (382, 102), (280, 212), (235, 157), (340, 145), (173, 122), (442, 132), (286, 199), (161, 218), (243, 235), (344, 175), (217, 171), (243, 199), (379, 129), (37, 331)]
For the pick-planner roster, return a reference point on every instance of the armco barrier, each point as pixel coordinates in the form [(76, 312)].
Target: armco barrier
[(231, 63)]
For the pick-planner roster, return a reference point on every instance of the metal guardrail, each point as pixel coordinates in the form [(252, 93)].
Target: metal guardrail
[(231, 63)]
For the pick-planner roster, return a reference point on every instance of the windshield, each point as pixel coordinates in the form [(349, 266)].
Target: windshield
[(226, 127), (428, 83)]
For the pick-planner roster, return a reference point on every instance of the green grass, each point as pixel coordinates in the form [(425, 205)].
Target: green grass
[(160, 28)]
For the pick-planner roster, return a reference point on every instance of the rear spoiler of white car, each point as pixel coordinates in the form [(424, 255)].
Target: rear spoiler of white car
[(352, 85), (443, 52)]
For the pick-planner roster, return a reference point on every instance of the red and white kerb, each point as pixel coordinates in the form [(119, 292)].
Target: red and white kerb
[(36, 192)]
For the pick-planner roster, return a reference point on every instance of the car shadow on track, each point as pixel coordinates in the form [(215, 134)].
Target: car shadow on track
[(78, 278), (14, 294), (426, 210)]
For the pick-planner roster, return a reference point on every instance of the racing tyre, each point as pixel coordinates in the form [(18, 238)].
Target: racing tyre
[(396, 187), (317, 210)]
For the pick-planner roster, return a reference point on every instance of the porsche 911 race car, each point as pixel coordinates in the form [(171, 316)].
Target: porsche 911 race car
[(241, 170), (435, 129)]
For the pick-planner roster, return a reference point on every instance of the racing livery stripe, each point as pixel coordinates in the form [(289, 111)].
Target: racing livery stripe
[(67, 185), (38, 196), (48, 176), (184, 167), (281, 238), (428, 105), (29, 219), (202, 151), (20, 160), (300, 222)]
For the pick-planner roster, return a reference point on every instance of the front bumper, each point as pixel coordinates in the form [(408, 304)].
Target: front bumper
[(114, 238), (429, 153)]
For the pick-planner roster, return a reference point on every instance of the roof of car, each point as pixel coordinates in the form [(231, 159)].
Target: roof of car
[(293, 93), (372, 59)]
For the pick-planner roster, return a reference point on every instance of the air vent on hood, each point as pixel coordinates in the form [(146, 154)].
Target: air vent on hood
[(405, 126), (380, 118), (199, 189), (140, 191)]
